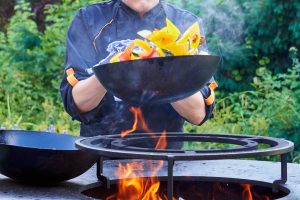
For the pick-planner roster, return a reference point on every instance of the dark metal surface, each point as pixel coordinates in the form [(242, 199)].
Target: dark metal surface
[(170, 178), (133, 147), (284, 175), (157, 80), (130, 147), (41, 156)]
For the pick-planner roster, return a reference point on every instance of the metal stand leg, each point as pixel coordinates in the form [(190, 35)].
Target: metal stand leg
[(100, 175), (170, 178), (99, 167), (283, 168), (283, 180)]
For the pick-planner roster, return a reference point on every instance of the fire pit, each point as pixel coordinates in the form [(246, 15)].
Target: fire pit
[(193, 188), (133, 147), (260, 171)]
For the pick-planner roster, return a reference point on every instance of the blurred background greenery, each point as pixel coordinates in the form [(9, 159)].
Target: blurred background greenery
[(259, 80)]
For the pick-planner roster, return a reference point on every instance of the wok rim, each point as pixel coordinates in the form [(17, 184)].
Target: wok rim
[(157, 58), (41, 149), (143, 63)]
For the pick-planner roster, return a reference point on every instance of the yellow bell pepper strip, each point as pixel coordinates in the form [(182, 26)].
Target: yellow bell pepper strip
[(172, 28), (142, 44), (161, 38), (192, 34), (134, 56), (178, 49), (115, 58), (195, 41), (145, 45), (163, 42), (160, 52)]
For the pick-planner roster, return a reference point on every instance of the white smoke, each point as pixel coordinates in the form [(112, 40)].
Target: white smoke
[(224, 19)]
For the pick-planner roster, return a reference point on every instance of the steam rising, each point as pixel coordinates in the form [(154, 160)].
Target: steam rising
[(224, 23)]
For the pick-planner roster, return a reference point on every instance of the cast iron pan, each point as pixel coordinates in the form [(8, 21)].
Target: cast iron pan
[(41, 157), (157, 80)]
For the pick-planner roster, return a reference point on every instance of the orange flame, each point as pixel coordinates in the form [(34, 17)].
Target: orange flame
[(131, 186), (162, 141), (135, 123), (247, 194), (139, 122)]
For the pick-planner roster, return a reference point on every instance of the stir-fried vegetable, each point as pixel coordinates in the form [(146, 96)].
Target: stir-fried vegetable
[(167, 41)]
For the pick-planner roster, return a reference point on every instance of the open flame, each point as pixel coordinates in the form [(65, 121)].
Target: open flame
[(162, 141), (132, 185), (139, 122), (247, 195)]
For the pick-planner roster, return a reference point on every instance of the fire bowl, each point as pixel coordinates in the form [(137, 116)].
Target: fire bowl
[(133, 146), (41, 157), (191, 189), (157, 80)]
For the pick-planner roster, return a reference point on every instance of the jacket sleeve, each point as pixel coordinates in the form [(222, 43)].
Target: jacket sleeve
[(80, 56), (208, 90), (209, 98)]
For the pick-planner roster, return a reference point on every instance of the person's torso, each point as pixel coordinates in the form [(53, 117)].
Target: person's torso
[(116, 115)]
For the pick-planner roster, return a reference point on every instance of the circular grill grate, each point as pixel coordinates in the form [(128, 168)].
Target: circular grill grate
[(132, 146)]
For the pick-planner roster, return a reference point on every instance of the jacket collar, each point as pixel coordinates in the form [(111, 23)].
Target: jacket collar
[(151, 13)]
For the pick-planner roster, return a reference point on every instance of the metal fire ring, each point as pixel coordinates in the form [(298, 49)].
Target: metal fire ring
[(114, 146), (130, 148), (135, 144)]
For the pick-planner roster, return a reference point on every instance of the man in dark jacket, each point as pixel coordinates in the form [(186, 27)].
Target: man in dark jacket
[(97, 27)]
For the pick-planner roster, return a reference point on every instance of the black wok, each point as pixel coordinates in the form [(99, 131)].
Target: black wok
[(157, 80), (41, 157)]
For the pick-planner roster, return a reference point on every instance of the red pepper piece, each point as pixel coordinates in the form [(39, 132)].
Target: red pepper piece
[(148, 54), (126, 55)]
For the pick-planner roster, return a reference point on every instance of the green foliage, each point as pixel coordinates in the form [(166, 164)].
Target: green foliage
[(31, 67), (254, 37), (274, 23), (247, 34), (271, 109)]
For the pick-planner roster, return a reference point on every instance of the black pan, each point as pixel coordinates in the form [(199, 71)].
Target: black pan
[(41, 157), (157, 80)]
